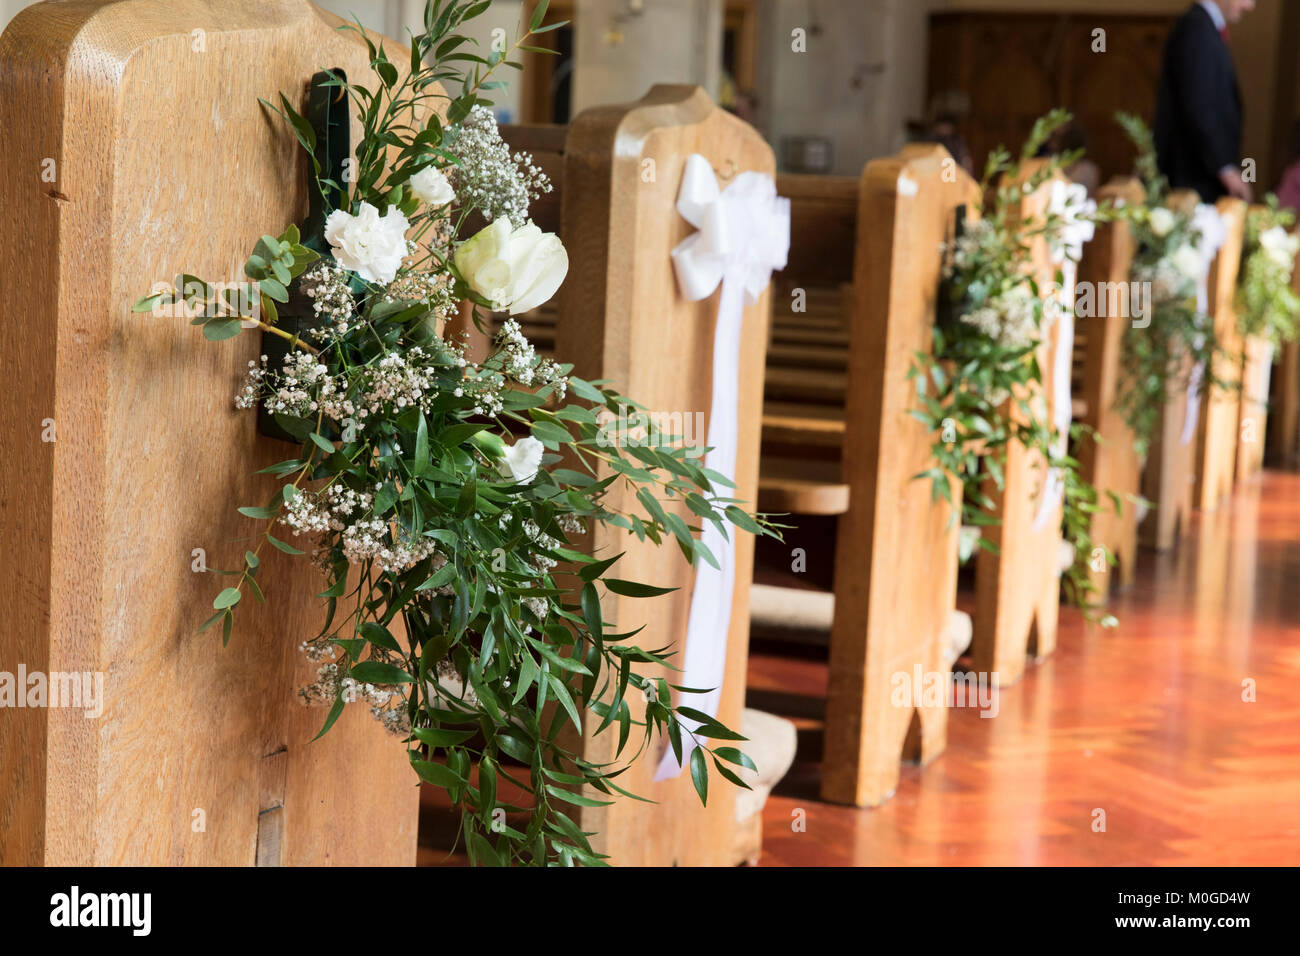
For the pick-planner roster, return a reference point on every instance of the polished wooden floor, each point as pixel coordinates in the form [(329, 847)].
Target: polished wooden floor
[(1146, 723)]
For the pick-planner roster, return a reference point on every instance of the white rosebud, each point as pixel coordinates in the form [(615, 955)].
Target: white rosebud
[(368, 244), (429, 185), (522, 459), (515, 269), (1162, 221)]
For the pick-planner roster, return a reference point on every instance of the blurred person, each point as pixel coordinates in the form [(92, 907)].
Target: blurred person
[(1199, 110)]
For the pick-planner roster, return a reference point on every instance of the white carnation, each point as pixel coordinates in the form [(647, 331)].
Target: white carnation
[(368, 244)]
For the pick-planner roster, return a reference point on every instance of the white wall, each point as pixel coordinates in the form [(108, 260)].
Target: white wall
[(619, 54), (9, 9), (861, 77)]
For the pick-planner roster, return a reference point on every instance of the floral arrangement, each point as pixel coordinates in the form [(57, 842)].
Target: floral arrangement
[(1160, 353), (976, 386), (1267, 305), (444, 501)]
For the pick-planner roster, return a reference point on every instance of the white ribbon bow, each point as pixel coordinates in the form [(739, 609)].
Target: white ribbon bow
[(1214, 232), (744, 234), (1071, 203)]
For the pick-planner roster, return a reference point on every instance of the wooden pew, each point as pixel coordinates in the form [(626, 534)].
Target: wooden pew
[(1017, 589), (896, 558), (1256, 371), (1170, 470), (202, 755), (621, 317), (1109, 461), (1217, 434)]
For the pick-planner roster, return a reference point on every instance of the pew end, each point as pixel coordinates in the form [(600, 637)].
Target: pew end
[(621, 317), (1217, 433), (146, 428), (1017, 588), (896, 553)]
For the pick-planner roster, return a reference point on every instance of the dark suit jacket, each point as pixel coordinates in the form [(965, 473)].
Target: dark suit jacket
[(1198, 112)]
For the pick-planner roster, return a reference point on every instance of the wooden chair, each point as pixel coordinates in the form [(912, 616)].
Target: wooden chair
[(1170, 471), (1217, 434), (621, 317), (202, 755), (1017, 589), (1109, 461)]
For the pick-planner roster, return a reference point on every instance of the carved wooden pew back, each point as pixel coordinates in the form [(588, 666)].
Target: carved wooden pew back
[(1170, 470), (1017, 591), (201, 755)]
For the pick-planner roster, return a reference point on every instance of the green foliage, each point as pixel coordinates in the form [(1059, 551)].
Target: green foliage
[(1267, 305), (1158, 357), (975, 388)]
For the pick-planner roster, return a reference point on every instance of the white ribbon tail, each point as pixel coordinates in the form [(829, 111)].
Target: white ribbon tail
[(1062, 410), (704, 663)]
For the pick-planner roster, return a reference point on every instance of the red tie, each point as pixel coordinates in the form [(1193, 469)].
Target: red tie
[(1223, 33)]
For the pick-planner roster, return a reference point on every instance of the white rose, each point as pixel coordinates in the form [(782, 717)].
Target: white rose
[(1278, 245), (1162, 221), (515, 269), (368, 244), (430, 186), (1188, 261), (522, 459)]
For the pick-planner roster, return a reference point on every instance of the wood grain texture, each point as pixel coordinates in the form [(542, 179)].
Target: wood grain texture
[(1217, 435), (622, 318), (896, 553), (165, 163), (1252, 422), (1018, 588), (1109, 462), (1170, 470)]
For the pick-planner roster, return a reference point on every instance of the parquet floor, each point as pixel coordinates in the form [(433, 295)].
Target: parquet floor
[(1146, 723)]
